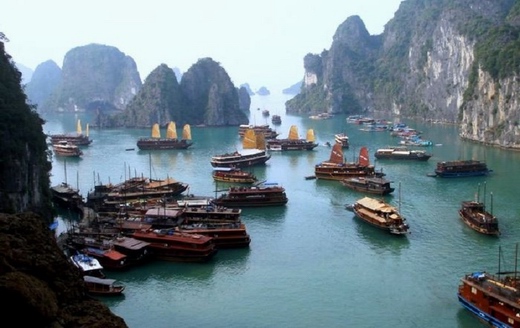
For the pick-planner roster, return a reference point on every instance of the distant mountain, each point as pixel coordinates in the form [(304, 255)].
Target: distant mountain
[(26, 73), (248, 88), (95, 77), (293, 89), (263, 91), (45, 80)]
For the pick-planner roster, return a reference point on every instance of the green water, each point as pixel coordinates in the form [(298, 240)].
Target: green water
[(311, 263)]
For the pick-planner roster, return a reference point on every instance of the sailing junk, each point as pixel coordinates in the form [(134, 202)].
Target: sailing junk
[(170, 142), (77, 138)]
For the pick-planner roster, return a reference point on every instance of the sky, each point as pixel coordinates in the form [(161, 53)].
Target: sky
[(261, 43)]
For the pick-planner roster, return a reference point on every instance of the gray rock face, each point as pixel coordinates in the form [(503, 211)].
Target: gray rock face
[(95, 78), (431, 62), (44, 81)]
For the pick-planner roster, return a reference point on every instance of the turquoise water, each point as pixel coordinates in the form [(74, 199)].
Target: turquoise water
[(310, 263)]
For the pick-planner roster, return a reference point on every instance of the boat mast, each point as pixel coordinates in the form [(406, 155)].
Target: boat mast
[(65, 169), (516, 259), (484, 196)]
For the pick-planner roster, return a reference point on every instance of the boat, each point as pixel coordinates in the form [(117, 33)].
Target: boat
[(276, 119), (354, 119), (170, 142), (103, 286), (65, 148), (461, 168), (254, 153), (110, 259), (88, 265), (321, 116), (78, 138), (381, 215), (233, 175), (293, 141), (265, 112), (264, 129), (402, 153), (266, 194), (372, 185), (336, 168), (475, 215), (493, 298), (171, 245), (66, 196), (342, 139)]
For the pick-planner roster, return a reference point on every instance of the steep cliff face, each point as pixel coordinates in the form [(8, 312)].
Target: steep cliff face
[(433, 61), (46, 78), (159, 100), (95, 77), (24, 170), (244, 100), (39, 287), (212, 98)]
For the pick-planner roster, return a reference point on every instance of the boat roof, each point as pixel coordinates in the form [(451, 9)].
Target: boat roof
[(101, 281), (161, 211), (130, 243), (375, 204)]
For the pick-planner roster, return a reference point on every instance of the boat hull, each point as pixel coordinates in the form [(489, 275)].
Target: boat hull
[(375, 186), (163, 144)]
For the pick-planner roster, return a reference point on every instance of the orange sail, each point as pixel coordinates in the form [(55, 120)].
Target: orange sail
[(171, 131), (186, 132), (78, 127), (260, 141), (293, 133), (364, 159), (249, 141), (310, 135), (336, 154), (156, 132)]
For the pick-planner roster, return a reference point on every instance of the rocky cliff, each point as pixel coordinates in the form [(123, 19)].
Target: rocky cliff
[(449, 61), (45, 79), (95, 78), (212, 99)]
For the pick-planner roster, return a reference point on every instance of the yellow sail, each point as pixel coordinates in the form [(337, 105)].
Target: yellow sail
[(310, 135), (156, 132), (171, 131), (249, 141), (87, 130), (78, 127), (186, 132), (260, 141), (293, 133)]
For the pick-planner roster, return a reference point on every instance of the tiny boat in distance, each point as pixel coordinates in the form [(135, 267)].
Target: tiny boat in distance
[(170, 142), (475, 215), (342, 139), (402, 153)]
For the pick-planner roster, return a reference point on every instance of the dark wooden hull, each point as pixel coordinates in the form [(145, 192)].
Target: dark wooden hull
[(475, 217), (163, 144), (341, 172), (375, 186), (458, 169), (79, 140), (241, 161), (252, 197), (287, 145), (399, 157)]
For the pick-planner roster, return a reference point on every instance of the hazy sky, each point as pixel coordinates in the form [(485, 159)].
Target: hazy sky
[(261, 43)]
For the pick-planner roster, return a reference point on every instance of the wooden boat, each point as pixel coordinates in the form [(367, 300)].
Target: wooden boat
[(276, 119), (171, 245), (494, 299), (381, 215), (103, 286), (233, 175), (474, 214), (65, 148), (372, 185), (254, 153), (170, 142), (78, 138), (265, 113), (461, 168), (342, 139), (88, 265), (293, 141), (267, 194), (336, 168), (264, 129), (402, 153), (110, 259), (143, 188), (64, 195)]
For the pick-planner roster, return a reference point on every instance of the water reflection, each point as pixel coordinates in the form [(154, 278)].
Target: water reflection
[(378, 239)]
